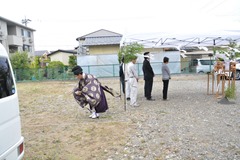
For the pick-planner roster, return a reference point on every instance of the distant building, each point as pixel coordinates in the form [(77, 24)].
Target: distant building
[(43, 57), (62, 55), (99, 42), (16, 37), (41, 53)]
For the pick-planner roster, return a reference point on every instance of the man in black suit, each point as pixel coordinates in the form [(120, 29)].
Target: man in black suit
[(148, 76)]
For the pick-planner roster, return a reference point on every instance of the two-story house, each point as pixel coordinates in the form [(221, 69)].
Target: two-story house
[(16, 37), (99, 42)]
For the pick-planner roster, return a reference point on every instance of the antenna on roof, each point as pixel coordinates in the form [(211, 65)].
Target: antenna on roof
[(25, 21)]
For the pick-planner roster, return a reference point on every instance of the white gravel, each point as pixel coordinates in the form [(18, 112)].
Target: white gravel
[(190, 125)]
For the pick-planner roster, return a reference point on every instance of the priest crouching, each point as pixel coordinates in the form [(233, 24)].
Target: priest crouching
[(90, 91)]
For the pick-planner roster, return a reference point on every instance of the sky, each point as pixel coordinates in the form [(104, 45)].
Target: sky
[(59, 23)]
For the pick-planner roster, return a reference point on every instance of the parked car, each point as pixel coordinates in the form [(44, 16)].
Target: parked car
[(238, 60), (11, 140), (202, 65)]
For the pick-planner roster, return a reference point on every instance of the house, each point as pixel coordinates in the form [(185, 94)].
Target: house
[(43, 57), (41, 53), (99, 42), (61, 55), (16, 37)]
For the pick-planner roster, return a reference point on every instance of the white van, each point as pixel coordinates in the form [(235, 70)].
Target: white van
[(202, 65), (11, 140)]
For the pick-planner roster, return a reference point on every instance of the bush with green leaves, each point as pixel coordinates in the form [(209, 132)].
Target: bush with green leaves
[(230, 92), (21, 64), (20, 60)]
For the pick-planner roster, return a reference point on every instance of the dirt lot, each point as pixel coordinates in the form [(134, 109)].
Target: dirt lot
[(55, 127)]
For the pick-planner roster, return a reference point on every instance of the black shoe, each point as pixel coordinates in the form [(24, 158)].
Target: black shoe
[(128, 99), (150, 99)]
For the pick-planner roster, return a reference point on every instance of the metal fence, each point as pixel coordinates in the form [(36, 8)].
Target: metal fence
[(46, 74)]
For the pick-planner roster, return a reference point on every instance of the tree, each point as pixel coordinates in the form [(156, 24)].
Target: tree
[(72, 61), (36, 62), (20, 60), (129, 51), (55, 69), (229, 52), (55, 64), (21, 63)]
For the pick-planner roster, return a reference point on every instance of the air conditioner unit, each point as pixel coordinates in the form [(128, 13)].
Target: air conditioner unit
[(30, 41), (24, 38), (1, 33)]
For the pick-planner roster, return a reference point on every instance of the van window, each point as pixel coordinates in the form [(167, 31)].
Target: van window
[(206, 62), (195, 62), (7, 87)]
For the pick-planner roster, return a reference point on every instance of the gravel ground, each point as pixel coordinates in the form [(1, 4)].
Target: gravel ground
[(190, 125)]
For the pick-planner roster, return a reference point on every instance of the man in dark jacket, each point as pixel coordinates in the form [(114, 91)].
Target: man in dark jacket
[(148, 76), (121, 75)]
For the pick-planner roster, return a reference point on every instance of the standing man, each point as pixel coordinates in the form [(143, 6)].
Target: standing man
[(165, 77), (148, 76), (121, 75), (127, 83), (133, 80), (124, 79)]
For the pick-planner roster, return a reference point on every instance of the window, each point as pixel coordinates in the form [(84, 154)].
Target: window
[(29, 34), (206, 62), (22, 32), (13, 49), (26, 48), (30, 49), (7, 87), (25, 33), (195, 62)]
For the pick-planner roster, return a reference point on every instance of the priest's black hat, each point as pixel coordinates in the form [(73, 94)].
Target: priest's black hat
[(77, 70), (146, 53)]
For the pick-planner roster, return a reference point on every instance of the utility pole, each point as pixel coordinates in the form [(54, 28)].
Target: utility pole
[(25, 21)]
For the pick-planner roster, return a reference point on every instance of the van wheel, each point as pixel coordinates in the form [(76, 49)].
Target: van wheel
[(237, 75)]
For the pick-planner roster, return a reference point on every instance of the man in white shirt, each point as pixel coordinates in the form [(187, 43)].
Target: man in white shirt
[(127, 84), (133, 80)]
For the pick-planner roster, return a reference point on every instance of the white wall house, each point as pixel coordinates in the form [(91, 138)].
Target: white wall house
[(62, 55), (16, 37)]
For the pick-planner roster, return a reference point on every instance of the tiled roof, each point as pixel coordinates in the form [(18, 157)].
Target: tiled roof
[(40, 52), (100, 33), (89, 41)]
